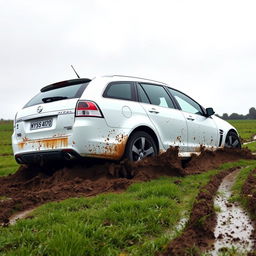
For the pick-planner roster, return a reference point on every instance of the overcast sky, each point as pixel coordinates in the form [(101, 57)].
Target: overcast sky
[(206, 49)]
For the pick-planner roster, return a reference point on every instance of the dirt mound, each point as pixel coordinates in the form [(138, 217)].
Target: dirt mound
[(32, 186), (211, 159)]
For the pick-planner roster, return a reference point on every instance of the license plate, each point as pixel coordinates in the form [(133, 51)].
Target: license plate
[(40, 124)]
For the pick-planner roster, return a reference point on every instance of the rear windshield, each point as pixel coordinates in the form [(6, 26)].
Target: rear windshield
[(68, 92)]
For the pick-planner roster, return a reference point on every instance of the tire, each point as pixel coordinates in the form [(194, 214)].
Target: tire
[(232, 140), (139, 146)]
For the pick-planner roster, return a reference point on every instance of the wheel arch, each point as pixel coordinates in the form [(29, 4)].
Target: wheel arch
[(231, 130), (148, 130)]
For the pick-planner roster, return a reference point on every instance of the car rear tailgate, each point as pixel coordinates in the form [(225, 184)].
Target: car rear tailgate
[(49, 129)]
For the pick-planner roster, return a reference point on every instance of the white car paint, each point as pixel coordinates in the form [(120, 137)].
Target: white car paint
[(107, 137), (170, 123)]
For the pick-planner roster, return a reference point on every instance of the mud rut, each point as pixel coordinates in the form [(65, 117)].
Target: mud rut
[(234, 227), (30, 187)]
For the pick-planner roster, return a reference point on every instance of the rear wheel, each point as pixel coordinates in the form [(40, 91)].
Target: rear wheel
[(232, 140), (139, 146)]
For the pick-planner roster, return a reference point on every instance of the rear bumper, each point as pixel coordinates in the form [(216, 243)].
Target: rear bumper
[(43, 156), (89, 137)]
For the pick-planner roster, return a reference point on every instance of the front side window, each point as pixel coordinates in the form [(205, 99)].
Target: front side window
[(157, 95), (186, 103), (119, 90)]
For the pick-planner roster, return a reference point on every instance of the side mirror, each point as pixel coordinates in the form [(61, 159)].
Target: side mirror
[(209, 112)]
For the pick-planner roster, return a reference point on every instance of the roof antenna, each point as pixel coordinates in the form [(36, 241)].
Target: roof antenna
[(75, 71)]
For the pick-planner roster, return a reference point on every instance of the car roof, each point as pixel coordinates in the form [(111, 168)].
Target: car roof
[(112, 78)]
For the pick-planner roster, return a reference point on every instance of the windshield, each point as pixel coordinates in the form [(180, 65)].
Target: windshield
[(67, 92)]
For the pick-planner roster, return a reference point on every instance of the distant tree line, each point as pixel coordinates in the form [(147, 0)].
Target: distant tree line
[(235, 116)]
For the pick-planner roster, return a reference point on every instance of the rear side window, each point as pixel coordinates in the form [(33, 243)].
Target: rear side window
[(157, 95), (67, 92), (120, 90)]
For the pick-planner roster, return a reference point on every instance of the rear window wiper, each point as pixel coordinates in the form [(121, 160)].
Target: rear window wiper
[(50, 99)]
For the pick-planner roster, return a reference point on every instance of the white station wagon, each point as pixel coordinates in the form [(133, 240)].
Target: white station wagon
[(114, 117)]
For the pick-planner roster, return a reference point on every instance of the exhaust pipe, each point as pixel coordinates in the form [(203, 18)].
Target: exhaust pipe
[(19, 160), (68, 156)]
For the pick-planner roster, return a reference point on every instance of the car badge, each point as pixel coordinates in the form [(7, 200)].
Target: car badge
[(39, 109)]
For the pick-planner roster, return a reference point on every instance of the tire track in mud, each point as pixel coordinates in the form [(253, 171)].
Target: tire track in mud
[(30, 187), (215, 233), (199, 232), (234, 227), (249, 192)]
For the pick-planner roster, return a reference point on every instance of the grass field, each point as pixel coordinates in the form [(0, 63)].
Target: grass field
[(139, 221), (8, 164), (251, 146), (246, 128)]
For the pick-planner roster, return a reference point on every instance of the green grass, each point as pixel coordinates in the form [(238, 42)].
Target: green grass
[(251, 146), (6, 130), (240, 180), (140, 221), (135, 222), (6, 125), (246, 128), (233, 251), (8, 164)]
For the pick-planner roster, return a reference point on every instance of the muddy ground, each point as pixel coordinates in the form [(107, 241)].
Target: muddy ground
[(32, 186), (199, 232), (249, 192), (235, 227)]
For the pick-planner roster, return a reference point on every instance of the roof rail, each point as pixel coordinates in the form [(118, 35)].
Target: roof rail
[(140, 78)]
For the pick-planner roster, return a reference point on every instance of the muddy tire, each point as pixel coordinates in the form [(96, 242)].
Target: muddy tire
[(139, 146), (232, 140)]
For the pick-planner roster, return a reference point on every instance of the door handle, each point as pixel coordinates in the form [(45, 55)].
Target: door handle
[(190, 118), (153, 110)]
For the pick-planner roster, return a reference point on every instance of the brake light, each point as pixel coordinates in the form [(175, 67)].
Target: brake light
[(87, 108)]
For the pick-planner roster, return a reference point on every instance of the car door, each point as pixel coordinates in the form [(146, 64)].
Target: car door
[(168, 121), (202, 130)]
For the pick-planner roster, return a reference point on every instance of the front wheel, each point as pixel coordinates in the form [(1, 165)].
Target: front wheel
[(232, 140), (139, 146)]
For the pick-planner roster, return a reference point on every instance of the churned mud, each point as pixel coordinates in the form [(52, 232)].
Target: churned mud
[(234, 227), (31, 186)]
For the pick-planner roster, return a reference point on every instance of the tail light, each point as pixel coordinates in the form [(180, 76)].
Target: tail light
[(87, 108)]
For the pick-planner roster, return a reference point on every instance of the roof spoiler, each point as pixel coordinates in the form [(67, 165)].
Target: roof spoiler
[(65, 83)]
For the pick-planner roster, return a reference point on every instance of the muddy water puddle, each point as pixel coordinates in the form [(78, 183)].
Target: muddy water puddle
[(248, 142), (234, 227), (21, 215)]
